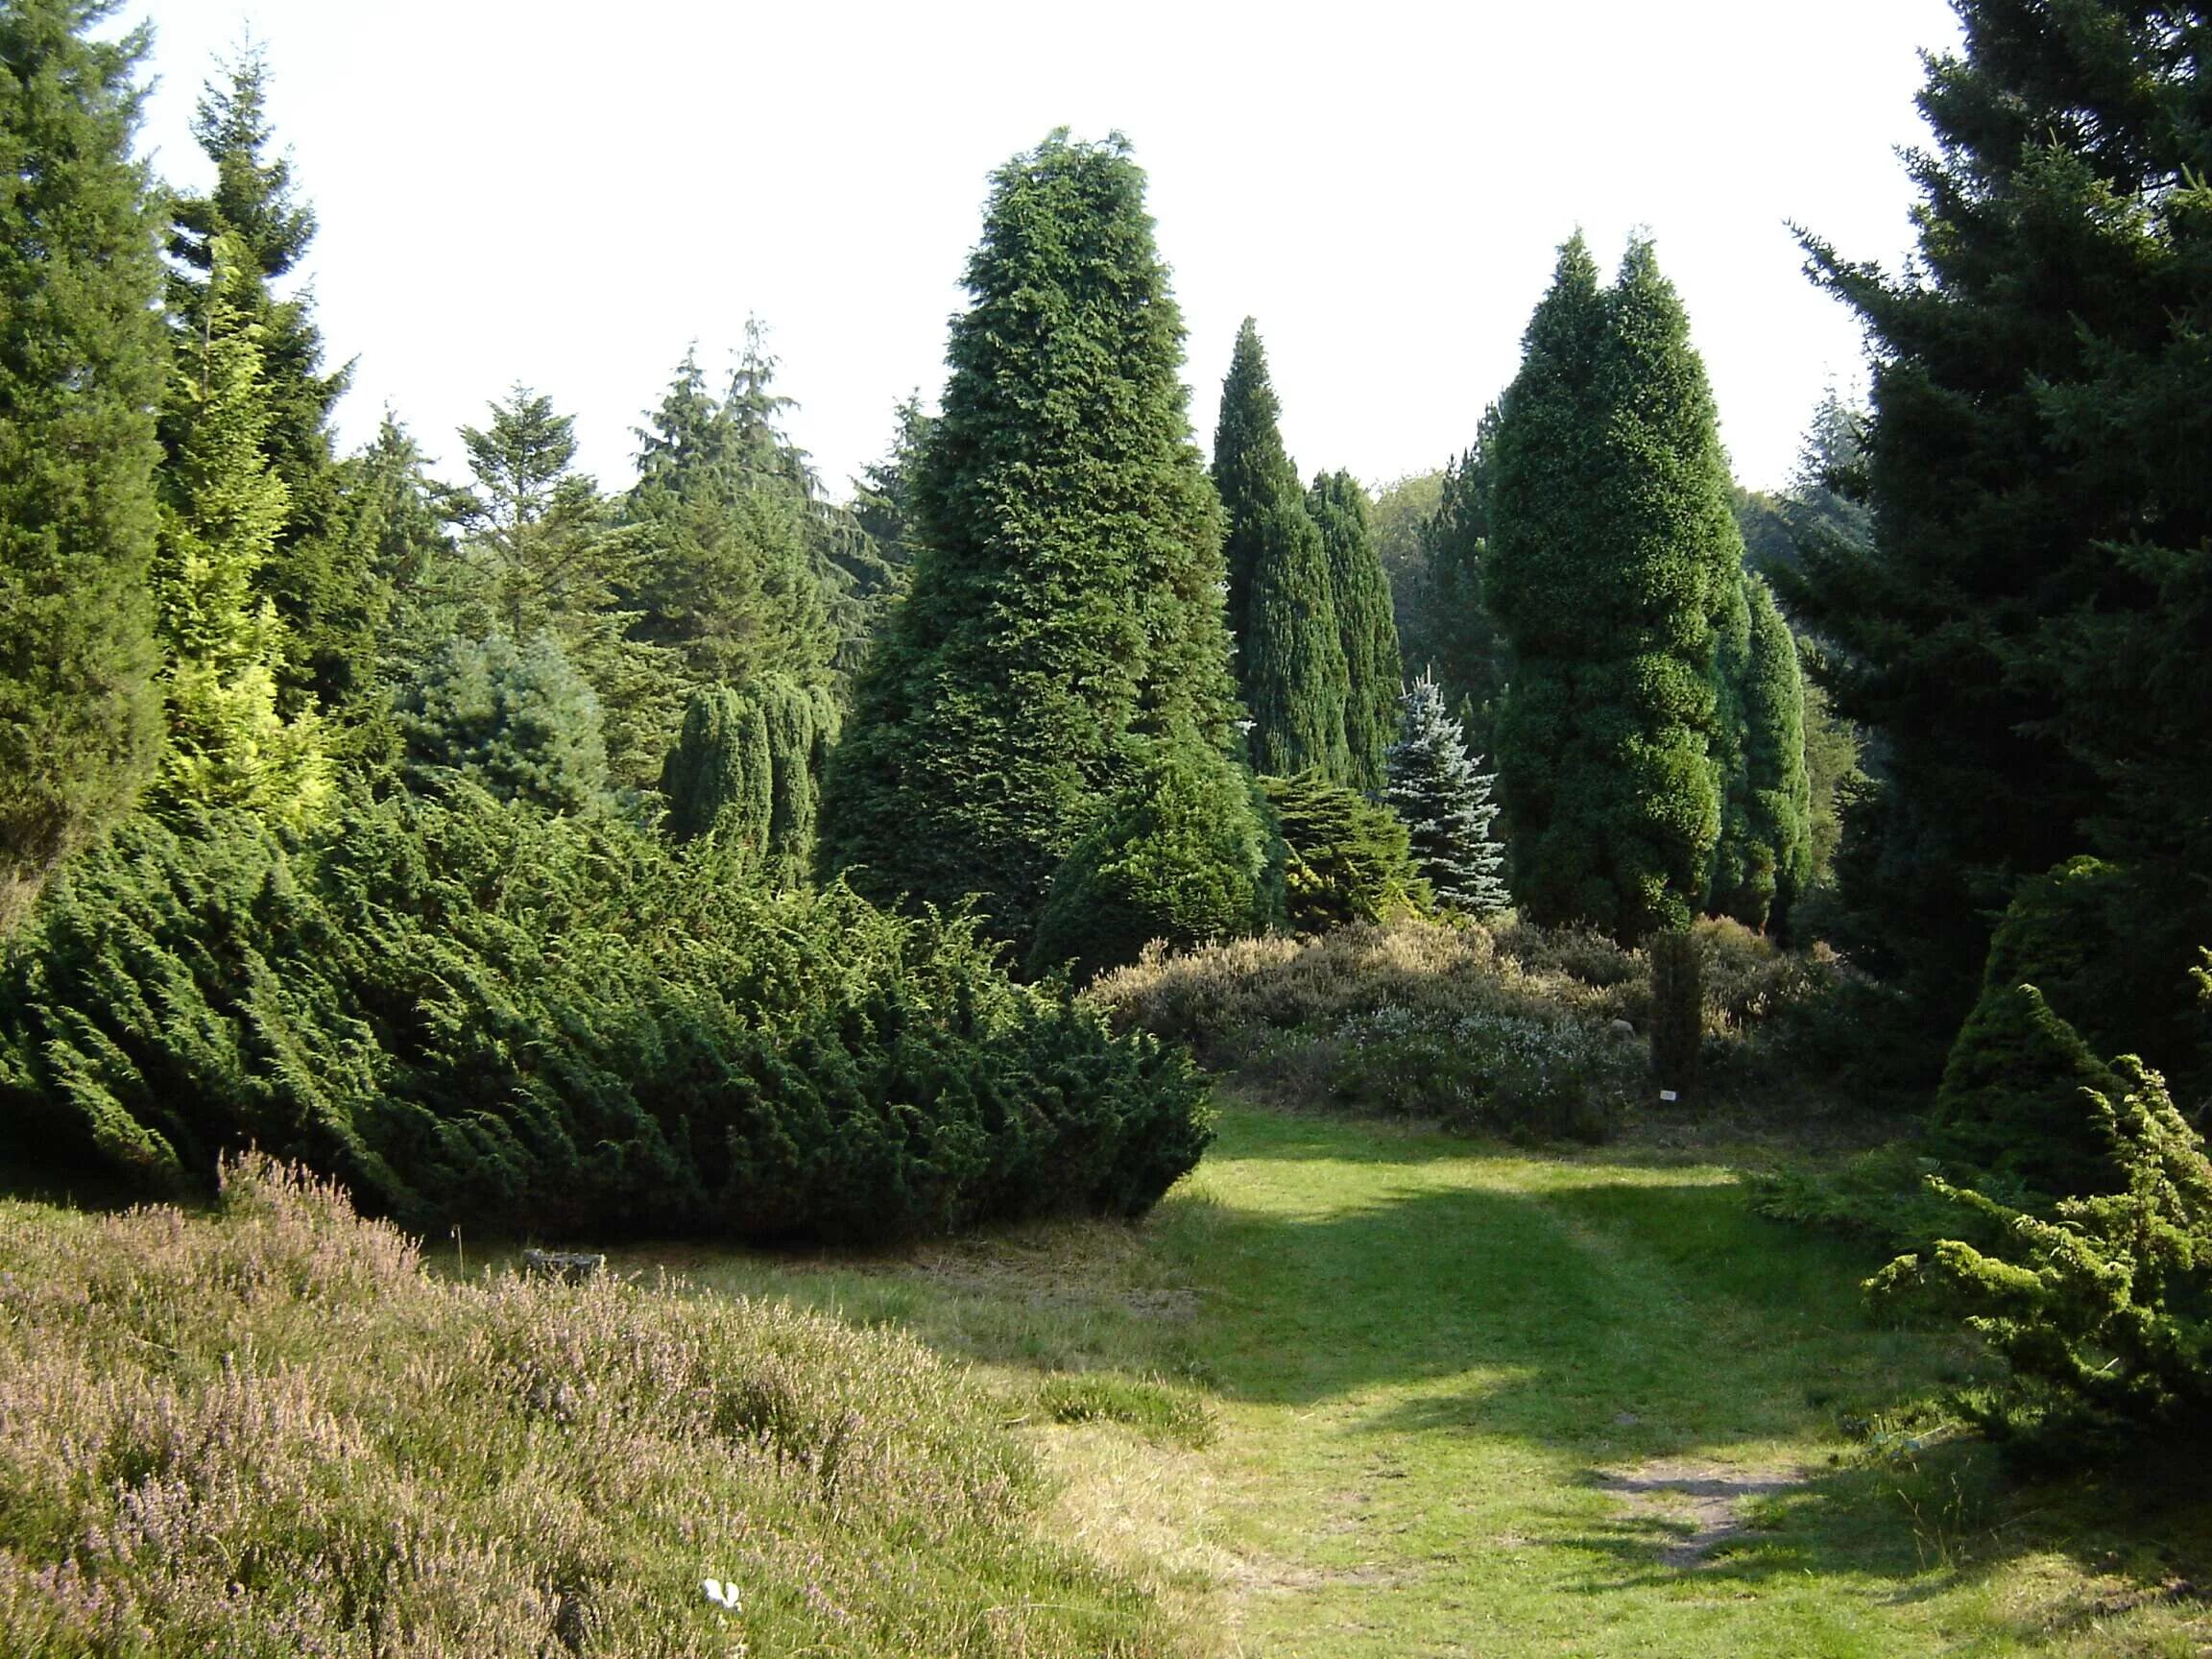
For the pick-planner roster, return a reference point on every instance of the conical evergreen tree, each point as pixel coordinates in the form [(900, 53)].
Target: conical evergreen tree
[(324, 597), (1290, 653), (1614, 558), (1359, 593), (1444, 800), (520, 722), (82, 361), (222, 512), (1764, 857), (1064, 623)]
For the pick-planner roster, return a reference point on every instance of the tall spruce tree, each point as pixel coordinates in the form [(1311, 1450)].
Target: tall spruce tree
[(1443, 797), (222, 510), (1359, 593), (1613, 563), (1290, 651), (2024, 636), (1062, 638), (324, 598), (82, 361)]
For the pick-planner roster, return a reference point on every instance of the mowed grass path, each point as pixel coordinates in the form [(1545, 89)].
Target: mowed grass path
[(1475, 1401)]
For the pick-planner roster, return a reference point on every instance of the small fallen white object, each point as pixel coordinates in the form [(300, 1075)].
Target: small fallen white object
[(720, 1594)]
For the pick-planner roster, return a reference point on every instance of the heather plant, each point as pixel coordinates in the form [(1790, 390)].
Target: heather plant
[(267, 1432), (469, 1008)]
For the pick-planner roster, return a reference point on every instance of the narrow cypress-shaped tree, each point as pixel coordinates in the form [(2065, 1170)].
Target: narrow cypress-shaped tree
[(1614, 558), (1289, 653), (1359, 593), (81, 372), (1764, 857), (1463, 646), (222, 510), (1444, 800), (1064, 622)]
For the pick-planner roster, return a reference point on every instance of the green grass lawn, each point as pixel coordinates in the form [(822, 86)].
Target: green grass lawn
[(1358, 1390)]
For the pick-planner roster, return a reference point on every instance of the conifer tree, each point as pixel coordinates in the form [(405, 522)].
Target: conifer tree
[(1290, 651), (324, 597), (1613, 560), (518, 721), (2024, 634), (222, 510), (1462, 644), (724, 573), (1062, 639), (1765, 858), (542, 551), (1359, 593), (82, 361), (1443, 798)]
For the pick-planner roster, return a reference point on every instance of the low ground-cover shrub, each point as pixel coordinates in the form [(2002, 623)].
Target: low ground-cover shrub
[(270, 1433), (471, 1008)]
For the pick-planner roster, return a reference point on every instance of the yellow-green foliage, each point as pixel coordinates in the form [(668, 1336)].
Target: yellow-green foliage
[(270, 1432), (2101, 1311)]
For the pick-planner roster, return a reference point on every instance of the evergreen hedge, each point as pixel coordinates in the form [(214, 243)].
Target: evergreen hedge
[(470, 1008)]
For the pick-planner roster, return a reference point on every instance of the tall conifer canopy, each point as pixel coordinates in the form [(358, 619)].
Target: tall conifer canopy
[(1614, 558), (2026, 632), (1290, 656), (1064, 621), (1360, 592), (81, 369)]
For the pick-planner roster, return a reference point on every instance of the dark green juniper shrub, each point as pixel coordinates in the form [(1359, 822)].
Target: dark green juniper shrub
[(473, 1008)]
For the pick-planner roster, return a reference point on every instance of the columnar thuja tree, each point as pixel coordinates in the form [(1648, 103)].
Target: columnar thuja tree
[(1289, 655), (81, 364), (1764, 857), (1063, 633), (1614, 560), (1360, 592)]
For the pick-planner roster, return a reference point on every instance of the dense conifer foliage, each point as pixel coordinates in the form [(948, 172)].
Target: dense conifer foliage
[(223, 508), (1359, 593), (1764, 860), (469, 1009), (2025, 632), (515, 720), (1347, 857), (1613, 561), (1062, 642), (252, 223), (1443, 799), (1460, 641), (1290, 664), (81, 372)]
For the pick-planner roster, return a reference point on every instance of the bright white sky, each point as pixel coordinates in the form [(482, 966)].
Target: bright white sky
[(566, 195)]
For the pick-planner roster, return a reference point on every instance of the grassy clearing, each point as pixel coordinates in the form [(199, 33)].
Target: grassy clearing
[(1466, 1401), (1354, 1389)]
